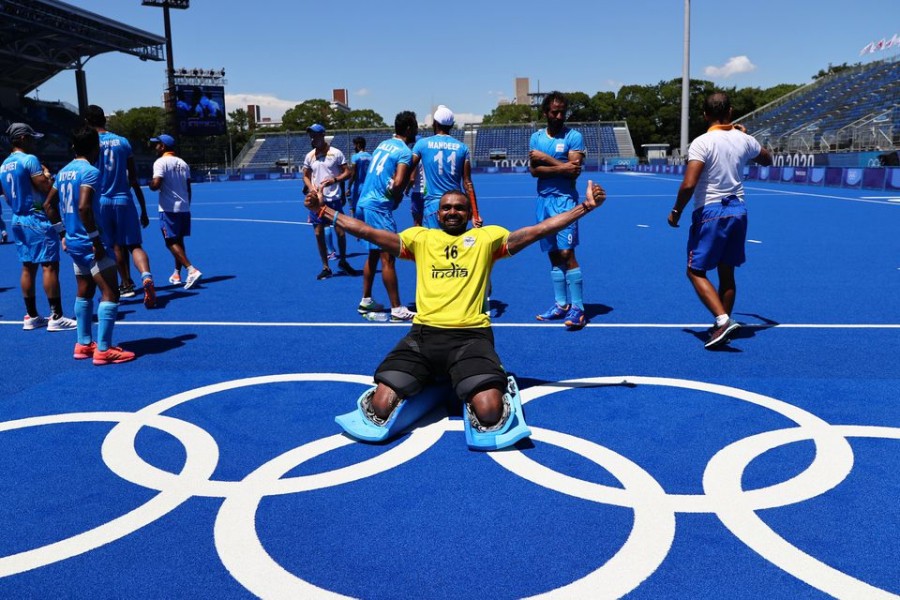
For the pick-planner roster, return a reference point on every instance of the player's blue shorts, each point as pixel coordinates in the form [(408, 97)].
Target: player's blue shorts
[(718, 232), (416, 204), (120, 224), (354, 198), (175, 224), (550, 206), (379, 218), (83, 261), (429, 214), (36, 241), (335, 205)]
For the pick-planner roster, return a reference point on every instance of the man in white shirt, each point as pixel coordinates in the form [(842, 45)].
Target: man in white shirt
[(324, 168), (718, 232), (172, 179)]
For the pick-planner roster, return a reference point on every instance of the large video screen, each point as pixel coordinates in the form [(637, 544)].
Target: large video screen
[(200, 109)]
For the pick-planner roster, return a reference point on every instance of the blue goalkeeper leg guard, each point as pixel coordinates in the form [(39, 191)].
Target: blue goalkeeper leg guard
[(363, 425), (507, 432)]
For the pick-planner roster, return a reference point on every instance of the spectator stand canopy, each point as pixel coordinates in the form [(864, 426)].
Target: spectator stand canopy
[(41, 38)]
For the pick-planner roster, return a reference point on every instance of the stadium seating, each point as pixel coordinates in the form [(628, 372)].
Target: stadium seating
[(281, 149), (853, 109), (269, 150), (54, 119), (602, 140)]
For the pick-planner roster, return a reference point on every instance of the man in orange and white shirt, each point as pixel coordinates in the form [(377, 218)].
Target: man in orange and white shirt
[(714, 176), (172, 179)]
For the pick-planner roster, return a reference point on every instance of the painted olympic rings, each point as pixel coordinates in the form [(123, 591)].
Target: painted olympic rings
[(653, 532)]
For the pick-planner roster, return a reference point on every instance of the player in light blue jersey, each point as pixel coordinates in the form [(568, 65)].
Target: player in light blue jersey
[(71, 206), (556, 155), (4, 237), (446, 166), (25, 182), (118, 216), (383, 190), (359, 168)]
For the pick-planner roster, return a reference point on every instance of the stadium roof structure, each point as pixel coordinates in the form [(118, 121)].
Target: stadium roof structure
[(40, 38)]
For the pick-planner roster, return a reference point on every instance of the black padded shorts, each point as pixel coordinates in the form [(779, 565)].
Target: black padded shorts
[(430, 354)]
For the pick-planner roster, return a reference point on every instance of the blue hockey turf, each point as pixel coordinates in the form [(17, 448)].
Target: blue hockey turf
[(211, 466)]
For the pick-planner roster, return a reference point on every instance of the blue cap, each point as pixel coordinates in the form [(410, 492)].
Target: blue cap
[(315, 128), (164, 139)]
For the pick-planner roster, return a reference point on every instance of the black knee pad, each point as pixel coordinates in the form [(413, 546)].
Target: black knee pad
[(470, 385), (404, 384)]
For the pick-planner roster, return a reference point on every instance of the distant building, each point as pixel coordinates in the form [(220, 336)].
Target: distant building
[(253, 115), (524, 95), (522, 87)]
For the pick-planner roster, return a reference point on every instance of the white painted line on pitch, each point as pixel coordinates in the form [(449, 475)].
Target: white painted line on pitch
[(848, 199), (249, 221), (644, 226), (643, 195), (754, 242), (495, 324), (298, 200), (866, 199)]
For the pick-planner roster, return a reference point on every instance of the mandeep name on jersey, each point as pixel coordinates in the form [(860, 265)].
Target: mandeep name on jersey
[(436, 145)]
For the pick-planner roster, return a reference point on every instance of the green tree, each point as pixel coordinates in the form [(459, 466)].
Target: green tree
[(775, 92), (138, 124), (238, 121), (512, 113), (580, 108), (306, 113), (639, 106), (605, 106), (359, 119), (238, 131), (831, 70)]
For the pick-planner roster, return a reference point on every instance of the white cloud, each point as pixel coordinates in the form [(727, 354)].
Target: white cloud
[(460, 119), (362, 92), (269, 106), (466, 118), (734, 66)]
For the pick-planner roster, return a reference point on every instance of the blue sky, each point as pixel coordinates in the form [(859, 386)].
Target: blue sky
[(467, 54)]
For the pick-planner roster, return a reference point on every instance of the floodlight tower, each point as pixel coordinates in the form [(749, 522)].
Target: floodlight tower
[(170, 60), (686, 79)]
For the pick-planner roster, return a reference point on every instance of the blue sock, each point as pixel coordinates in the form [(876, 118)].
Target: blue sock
[(84, 315), (330, 239), (558, 277), (106, 319), (575, 286)]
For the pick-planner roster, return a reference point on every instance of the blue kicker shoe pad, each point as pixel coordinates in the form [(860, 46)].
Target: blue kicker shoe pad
[(360, 426)]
